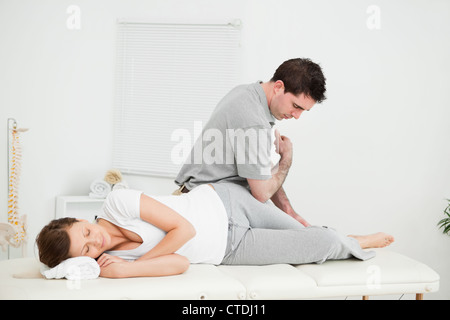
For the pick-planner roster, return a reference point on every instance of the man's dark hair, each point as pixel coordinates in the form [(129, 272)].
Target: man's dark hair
[(301, 75)]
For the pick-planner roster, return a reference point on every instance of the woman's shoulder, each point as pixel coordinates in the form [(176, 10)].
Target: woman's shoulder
[(122, 203)]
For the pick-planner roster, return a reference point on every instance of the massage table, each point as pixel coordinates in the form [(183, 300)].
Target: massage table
[(388, 273)]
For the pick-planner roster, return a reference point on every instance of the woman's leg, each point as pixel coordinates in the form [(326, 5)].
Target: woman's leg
[(260, 233), (307, 245), (246, 210), (376, 240)]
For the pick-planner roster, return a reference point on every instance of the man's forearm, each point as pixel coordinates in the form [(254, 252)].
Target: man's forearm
[(264, 190), (281, 170), (281, 200)]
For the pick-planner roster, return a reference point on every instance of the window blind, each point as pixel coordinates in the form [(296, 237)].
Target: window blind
[(168, 77)]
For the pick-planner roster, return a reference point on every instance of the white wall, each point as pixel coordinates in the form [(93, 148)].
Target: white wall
[(374, 157)]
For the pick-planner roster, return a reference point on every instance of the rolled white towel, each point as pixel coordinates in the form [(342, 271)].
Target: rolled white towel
[(99, 189), (78, 268), (120, 185)]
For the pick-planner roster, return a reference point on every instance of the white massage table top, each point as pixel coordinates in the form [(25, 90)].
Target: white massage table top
[(387, 273)]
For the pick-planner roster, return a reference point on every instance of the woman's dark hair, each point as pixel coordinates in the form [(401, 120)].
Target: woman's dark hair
[(302, 76), (54, 243)]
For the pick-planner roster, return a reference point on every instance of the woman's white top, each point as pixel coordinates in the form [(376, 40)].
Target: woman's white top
[(202, 207)]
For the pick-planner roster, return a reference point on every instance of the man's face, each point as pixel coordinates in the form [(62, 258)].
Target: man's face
[(287, 105)]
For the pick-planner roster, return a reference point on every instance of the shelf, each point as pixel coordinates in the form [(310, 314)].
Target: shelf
[(80, 207)]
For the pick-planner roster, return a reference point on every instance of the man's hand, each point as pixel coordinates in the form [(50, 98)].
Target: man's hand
[(283, 146), (281, 200), (297, 217)]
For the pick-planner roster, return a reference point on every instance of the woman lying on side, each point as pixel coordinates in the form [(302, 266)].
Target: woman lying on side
[(137, 235)]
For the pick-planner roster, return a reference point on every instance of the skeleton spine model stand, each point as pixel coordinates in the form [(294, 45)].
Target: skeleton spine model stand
[(14, 232)]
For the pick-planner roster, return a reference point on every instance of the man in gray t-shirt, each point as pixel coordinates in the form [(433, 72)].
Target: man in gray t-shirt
[(235, 143)]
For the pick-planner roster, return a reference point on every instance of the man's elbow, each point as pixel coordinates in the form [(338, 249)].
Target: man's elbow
[(259, 195), (260, 189)]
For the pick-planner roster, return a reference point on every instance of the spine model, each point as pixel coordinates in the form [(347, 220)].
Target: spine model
[(17, 221)]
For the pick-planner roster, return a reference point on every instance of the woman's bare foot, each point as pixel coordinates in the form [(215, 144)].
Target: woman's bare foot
[(376, 240)]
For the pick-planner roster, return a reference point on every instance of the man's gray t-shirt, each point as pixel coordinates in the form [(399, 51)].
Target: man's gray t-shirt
[(235, 143)]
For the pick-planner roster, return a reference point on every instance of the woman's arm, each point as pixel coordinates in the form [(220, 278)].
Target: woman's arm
[(167, 265), (161, 260), (178, 229)]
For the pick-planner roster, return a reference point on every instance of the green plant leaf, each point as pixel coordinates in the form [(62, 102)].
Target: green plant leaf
[(445, 223)]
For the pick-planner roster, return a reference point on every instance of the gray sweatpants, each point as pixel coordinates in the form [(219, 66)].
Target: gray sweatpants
[(260, 233)]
